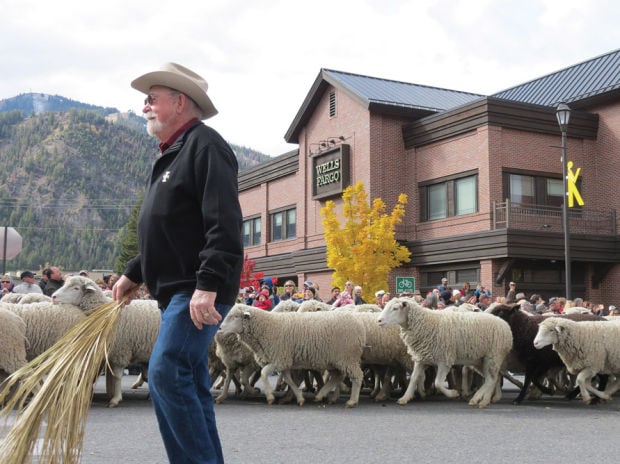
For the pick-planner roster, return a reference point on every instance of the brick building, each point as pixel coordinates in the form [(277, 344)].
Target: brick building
[(483, 175)]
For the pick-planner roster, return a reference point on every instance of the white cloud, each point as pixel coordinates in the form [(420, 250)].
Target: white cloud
[(260, 57)]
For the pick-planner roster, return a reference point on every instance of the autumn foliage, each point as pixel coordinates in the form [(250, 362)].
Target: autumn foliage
[(361, 246)]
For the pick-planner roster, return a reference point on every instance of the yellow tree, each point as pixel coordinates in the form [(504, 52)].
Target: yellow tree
[(364, 248)]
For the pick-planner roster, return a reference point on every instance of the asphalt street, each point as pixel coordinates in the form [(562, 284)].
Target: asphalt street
[(436, 430)]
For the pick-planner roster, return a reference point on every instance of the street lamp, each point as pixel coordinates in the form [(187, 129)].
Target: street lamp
[(562, 113)]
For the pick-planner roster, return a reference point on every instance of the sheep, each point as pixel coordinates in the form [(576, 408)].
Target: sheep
[(326, 340), (286, 306), (586, 348), (12, 297), (81, 291), (12, 343), (309, 306), (45, 323), (446, 338), (134, 336), (361, 308), (34, 298), (576, 310), (536, 363), (384, 352), (235, 356)]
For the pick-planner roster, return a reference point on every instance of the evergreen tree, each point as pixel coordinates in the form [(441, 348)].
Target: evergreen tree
[(129, 240)]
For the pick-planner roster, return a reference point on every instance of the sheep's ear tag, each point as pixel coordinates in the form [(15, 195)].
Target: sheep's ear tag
[(246, 315)]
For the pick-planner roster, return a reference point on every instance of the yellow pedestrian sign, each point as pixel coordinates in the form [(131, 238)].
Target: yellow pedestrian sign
[(573, 193)]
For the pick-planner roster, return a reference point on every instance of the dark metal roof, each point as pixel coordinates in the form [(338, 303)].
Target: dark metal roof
[(578, 83), (387, 92), (412, 101)]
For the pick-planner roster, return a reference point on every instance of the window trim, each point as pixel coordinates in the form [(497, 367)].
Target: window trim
[(252, 221), (451, 201), (540, 180), (285, 226)]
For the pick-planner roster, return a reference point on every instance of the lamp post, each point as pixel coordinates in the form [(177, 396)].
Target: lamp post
[(562, 113)]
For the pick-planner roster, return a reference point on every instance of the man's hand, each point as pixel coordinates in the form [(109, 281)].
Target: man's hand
[(202, 309), (124, 288)]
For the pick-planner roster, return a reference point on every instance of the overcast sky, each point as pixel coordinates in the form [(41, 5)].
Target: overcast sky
[(260, 57)]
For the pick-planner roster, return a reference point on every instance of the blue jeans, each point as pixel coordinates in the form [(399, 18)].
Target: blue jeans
[(179, 384)]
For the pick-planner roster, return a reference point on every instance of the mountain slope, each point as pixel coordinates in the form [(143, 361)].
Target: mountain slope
[(69, 181)]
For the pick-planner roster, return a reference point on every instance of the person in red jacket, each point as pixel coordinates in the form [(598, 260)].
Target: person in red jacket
[(263, 301)]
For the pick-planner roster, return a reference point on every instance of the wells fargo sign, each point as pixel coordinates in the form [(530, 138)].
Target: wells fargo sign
[(330, 172)]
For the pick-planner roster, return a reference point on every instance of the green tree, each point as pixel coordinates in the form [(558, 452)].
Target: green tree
[(129, 240), (364, 249)]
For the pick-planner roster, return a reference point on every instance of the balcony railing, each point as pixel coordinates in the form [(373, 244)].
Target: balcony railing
[(507, 215)]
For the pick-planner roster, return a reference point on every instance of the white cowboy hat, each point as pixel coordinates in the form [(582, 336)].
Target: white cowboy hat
[(179, 78)]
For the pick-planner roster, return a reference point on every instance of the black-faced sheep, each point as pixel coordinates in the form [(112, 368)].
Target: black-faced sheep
[(444, 339)]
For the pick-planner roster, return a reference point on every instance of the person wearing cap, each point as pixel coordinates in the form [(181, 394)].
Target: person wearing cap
[(309, 294), (613, 310), (444, 285), (28, 284), (190, 255)]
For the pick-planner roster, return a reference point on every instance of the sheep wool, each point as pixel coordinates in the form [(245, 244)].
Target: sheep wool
[(534, 363), (45, 323), (587, 348), (324, 340), (12, 343), (236, 356), (446, 338), (384, 352), (135, 334)]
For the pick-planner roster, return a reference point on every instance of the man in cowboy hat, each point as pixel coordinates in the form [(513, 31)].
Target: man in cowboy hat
[(191, 255)]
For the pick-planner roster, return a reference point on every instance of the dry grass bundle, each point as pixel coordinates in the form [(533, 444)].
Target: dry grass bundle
[(60, 383)]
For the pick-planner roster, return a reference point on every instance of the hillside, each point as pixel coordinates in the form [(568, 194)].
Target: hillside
[(70, 179)]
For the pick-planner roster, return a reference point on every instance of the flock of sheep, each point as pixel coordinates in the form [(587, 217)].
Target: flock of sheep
[(458, 352)]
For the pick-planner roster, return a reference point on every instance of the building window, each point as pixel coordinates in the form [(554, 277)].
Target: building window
[(284, 224), (251, 232), (332, 104), (535, 190), (465, 198), (453, 197)]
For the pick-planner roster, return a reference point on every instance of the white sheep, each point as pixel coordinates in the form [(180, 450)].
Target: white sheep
[(12, 297), (311, 306), (384, 353), (135, 333), (443, 339), (34, 298), (286, 306), (324, 340), (45, 323), (236, 356), (587, 348), (12, 343), (361, 308)]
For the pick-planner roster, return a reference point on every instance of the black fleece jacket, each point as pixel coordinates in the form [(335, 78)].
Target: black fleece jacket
[(189, 228)]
